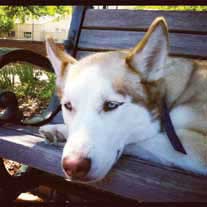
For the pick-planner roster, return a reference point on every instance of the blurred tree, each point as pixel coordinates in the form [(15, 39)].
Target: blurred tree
[(8, 14), (23, 12), (6, 25), (174, 8)]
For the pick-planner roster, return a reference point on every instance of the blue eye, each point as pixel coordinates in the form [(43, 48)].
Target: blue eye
[(111, 105), (68, 106)]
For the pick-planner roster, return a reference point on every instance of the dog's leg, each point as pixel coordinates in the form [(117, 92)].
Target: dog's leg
[(55, 134)]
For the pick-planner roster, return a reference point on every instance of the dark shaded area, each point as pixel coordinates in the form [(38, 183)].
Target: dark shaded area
[(12, 186), (11, 113)]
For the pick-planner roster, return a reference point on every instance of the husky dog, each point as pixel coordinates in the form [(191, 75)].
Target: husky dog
[(111, 104)]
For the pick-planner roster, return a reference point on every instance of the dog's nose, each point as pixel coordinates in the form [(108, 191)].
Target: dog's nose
[(76, 168)]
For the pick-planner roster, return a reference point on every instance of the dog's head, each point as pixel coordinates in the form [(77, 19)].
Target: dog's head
[(107, 101)]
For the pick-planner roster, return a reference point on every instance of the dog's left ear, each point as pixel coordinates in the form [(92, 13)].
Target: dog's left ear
[(59, 60), (148, 57)]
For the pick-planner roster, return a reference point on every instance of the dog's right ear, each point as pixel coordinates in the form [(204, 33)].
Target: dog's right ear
[(148, 57), (59, 60)]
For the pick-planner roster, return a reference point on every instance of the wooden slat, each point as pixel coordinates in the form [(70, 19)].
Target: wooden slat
[(74, 31), (179, 21), (140, 180), (131, 178), (180, 44), (31, 150)]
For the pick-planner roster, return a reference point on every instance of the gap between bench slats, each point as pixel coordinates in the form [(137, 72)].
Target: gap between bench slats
[(81, 53), (178, 21), (180, 44)]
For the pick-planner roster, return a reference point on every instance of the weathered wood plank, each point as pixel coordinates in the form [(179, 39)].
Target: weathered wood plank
[(180, 44), (131, 178), (138, 180), (178, 21), (33, 130), (84, 53), (75, 27), (29, 149)]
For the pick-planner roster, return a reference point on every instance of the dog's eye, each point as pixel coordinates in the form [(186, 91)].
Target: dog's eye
[(111, 105), (68, 106)]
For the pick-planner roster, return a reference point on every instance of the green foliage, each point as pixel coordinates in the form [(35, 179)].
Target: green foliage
[(173, 8), (25, 80), (6, 23), (23, 12), (8, 14)]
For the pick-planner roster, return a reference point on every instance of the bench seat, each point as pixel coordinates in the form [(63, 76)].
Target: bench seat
[(131, 178)]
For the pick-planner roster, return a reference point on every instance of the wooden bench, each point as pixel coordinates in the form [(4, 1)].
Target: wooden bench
[(102, 30)]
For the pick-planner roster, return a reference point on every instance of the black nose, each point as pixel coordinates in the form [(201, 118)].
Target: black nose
[(76, 168)]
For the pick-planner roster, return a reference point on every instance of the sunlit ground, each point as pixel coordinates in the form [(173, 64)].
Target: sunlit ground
[(29, 197)]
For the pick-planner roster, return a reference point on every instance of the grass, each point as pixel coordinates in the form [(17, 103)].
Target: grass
[(33, 86)]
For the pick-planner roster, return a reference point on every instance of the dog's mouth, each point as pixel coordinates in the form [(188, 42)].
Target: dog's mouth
[(87, 179)]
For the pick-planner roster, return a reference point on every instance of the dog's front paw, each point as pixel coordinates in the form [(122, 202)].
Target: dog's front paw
[(52, 134)]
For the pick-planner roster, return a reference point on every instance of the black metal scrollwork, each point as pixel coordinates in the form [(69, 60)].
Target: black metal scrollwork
[(9, 108), (10, 112)]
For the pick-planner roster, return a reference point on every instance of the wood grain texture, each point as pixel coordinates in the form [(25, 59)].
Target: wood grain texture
[(180, 44), (130, 177), (178, 21), (23, 147)]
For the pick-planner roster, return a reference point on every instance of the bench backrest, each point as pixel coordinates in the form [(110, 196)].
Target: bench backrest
[(103, 30)]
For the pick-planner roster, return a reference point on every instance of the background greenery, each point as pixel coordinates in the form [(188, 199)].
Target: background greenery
[(9, 14), (25, 80), (175, 8)]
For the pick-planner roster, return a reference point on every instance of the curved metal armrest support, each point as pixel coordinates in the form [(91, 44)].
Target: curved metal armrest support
[(11, 112)]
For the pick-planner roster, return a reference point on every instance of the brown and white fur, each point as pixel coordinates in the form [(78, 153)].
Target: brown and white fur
[(111, 105)]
